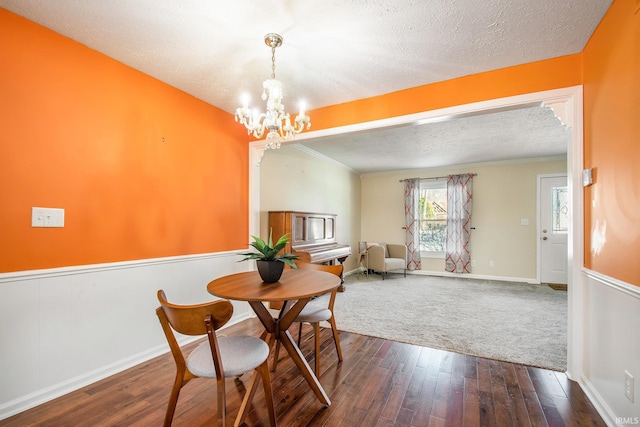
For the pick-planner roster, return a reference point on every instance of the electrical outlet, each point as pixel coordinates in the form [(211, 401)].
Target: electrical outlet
[(473, 263), (628, 385)]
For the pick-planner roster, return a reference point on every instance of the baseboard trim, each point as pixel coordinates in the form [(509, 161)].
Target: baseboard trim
[(32, 400), (41, 396), (474, 276), (597, 401), (459, 276)]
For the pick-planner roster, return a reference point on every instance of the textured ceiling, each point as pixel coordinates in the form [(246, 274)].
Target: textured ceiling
[(333, 51), (527, 132)]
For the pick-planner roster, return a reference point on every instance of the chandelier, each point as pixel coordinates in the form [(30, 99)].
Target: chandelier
[(275, 120)]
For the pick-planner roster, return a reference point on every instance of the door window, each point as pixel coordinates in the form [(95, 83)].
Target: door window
[(560, 210)]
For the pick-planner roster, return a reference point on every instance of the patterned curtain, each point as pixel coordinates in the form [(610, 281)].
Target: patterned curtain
[(412, 218), (459, 203)]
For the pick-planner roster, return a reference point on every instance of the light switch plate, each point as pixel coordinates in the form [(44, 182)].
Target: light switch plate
[(47, 217), (587, 177)]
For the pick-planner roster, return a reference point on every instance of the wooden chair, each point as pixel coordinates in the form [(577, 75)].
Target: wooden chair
[(316, 312), (218, 357)]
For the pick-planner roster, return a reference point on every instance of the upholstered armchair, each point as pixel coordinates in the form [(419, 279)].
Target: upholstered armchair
[(383, 258)]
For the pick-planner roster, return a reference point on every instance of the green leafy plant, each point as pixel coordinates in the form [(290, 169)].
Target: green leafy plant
[(267, 251)]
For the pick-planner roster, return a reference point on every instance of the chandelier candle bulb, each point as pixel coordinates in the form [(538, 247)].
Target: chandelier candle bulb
[(245, 100)]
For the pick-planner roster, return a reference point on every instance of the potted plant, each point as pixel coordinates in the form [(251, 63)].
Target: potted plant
[(270, 264)]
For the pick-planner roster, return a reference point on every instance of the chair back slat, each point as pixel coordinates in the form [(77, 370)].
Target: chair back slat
[(189, 320), (333, 269)]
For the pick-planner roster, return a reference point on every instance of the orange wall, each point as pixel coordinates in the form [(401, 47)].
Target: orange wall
[(612, 144), (533, 77), (142, 169), (83, 132)]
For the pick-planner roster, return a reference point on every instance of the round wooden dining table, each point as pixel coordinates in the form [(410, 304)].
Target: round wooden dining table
[(295, 289)]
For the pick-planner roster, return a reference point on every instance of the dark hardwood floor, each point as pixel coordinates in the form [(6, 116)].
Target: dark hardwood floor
[(380, 383)]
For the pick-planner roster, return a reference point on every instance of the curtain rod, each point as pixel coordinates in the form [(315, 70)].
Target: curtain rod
[(436, 177)]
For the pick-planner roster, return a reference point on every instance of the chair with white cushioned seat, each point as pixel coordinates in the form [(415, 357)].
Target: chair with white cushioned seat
[(218, 357), (315, 312)]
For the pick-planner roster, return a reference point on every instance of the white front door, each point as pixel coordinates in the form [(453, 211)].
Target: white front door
[(553, 228)]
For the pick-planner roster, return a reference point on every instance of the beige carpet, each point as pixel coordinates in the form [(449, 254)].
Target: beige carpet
[(515, 322)]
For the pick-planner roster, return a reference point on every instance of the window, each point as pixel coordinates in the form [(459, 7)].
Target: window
[(560, 210), (433, 218)]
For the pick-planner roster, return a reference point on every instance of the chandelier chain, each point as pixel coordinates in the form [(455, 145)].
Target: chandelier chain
[(273, 62)]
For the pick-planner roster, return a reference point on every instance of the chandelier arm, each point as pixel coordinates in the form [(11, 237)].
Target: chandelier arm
[(258, 133), (297, 127)]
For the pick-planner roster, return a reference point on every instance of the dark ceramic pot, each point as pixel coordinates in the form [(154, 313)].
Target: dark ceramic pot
[(270, 271)]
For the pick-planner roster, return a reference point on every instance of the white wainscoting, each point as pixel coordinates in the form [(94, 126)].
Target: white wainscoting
[(62, 329), (611, 346)]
